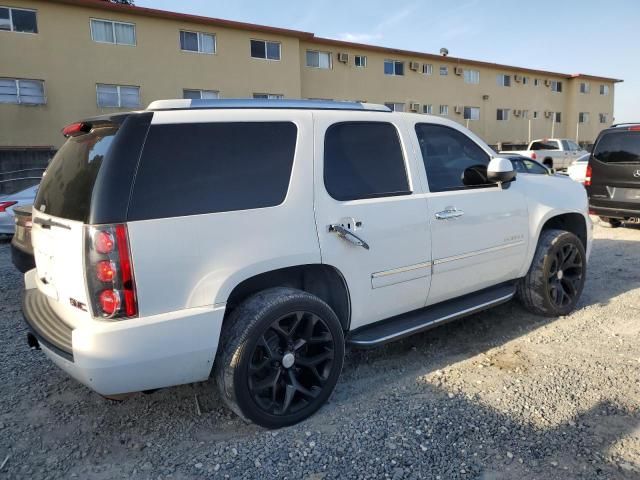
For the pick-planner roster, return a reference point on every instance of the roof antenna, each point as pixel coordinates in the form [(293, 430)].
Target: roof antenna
[(444, 52)]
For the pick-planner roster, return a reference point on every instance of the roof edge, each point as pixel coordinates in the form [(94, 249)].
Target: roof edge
[(309, 36)]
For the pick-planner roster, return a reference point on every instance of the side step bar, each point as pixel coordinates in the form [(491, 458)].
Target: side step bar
[(407, 324)]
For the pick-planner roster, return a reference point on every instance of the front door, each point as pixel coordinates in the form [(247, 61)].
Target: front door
[(371, 215), (478, 231)]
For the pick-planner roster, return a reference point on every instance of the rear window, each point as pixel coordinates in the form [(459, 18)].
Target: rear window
[(618, 147), (67, 186), (196, 168), (364, 160), (548, 145)]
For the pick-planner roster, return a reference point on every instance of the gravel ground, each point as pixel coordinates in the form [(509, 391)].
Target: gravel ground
[(499, 395)]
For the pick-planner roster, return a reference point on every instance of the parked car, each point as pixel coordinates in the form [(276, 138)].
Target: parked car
[(578, 169), (522, 164), (21, 249), (7, 205), (613, 174), (557, 153), (259, 237)]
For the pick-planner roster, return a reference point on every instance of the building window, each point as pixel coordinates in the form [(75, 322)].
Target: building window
[(197, 42), (525, 80), (360, 61), (502, 114), (525, 114), (583, 117), (269, 96), (265, 49), (558, 117), (200, 94), (472, 113), (25, 92), (585, 87), (428, 109), (444, 71), (536, 82), (444, 110), (118, 96), (504, 80), (556, 86), (317, 59), (604, 89), (395, 107), (393, 67), (18, 20), (427, 68), (535, 114), (604, 118), (471, 76), (107, 31)]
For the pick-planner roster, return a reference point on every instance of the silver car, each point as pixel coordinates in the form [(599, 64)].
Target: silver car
[(9, 202)]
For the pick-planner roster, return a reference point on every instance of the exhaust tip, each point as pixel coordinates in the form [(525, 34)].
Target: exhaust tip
[(32, 341)]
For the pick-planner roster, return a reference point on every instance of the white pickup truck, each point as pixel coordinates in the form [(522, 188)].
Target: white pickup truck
[(556, 153)]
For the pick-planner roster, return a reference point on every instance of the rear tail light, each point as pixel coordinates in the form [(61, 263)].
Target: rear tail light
[(533, 155), (587, 176), (5, 205), (76, 129), (110, 280)]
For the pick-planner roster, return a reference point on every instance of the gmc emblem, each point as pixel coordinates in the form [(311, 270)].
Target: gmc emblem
[(77, 304)]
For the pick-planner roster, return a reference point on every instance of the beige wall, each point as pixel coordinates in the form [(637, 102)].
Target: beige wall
[(71, 64)]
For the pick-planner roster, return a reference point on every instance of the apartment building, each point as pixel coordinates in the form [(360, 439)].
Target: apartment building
[(64, 60)]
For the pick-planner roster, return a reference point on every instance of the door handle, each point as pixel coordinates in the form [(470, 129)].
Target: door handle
[(448, 213), (348, 235)]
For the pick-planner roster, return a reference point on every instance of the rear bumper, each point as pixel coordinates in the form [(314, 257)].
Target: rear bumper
[(22, 260), (129, 355), (614, 212)]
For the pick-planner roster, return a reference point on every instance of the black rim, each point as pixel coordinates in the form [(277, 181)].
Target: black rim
[(565, 275), (291, 363)]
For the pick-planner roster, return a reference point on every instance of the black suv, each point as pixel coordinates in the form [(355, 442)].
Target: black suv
[(613, 174)]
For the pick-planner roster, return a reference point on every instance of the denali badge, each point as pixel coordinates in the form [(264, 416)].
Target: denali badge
[(636, 173), (77, 304)]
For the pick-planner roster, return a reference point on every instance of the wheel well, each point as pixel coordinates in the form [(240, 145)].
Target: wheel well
[(323, 281), (571, 222)]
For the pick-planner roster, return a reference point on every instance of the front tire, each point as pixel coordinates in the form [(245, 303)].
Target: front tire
[(280, 357), (555, 280)]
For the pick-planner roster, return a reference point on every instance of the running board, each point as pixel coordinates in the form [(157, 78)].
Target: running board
[(401, 326)]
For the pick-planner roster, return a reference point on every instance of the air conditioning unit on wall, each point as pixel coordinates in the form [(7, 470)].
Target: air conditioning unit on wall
[(458, 109), (457, 70), (517, 113), (517, 78), (414, 66), (414, 107), (547, 83), (343, 57), (547, 114)]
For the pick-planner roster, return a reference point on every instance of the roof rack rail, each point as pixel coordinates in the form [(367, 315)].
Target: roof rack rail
[(245, 103), (624, 123)]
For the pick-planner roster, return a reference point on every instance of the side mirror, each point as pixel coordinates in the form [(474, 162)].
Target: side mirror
[(500, 170)]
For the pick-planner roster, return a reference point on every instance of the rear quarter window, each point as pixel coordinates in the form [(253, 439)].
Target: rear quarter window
[(618, 147), (549, 145), (197, 168)]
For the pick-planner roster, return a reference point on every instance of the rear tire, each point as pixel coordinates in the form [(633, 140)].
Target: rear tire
[(611, 222), (555, 280), (280, 357)]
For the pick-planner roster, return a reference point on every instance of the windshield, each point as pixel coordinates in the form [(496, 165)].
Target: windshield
[(66, 188)]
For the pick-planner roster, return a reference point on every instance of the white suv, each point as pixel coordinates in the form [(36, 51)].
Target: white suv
[(253, 240)]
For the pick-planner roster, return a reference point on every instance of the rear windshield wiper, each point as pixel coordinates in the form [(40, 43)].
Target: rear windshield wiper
[(50, 223)]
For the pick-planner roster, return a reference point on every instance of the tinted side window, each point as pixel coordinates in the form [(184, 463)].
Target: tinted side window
[(364, 160), (447, 154), (552, 145), (618, 147), (190, 169)]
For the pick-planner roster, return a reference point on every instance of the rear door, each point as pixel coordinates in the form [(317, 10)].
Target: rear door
[(371, 213), (60, 211), (615, 171)]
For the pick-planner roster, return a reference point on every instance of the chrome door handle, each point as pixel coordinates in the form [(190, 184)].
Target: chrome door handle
[(348, 235), (448, 213)]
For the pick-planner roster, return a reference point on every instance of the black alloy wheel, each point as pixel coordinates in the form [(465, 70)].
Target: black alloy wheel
[(565, 275)]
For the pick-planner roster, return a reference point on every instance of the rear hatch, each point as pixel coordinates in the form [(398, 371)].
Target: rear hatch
[(61, 210), (615, 171)]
